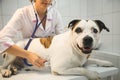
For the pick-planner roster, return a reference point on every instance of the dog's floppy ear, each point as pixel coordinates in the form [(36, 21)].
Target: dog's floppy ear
[(73, 23), (101, 25)]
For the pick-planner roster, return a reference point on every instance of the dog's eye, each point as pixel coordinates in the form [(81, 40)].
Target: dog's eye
[(95, 30), (78, 30)]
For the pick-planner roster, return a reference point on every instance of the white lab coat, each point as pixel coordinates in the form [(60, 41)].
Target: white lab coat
[(24, 21)]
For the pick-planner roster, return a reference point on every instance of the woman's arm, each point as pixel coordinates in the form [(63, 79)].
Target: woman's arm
[(31, 57), (9, 32)]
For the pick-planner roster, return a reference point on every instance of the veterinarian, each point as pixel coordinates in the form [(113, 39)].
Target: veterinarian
[(24, 21)]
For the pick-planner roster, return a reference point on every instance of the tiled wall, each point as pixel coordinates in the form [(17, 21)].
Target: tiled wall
[(106, 10), (8, 7), (109, 12), (72, 9)]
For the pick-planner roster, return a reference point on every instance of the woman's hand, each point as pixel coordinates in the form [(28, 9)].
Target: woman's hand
[(35, 60)]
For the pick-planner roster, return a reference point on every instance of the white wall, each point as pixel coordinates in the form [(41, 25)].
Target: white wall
[(106, 10), (72, 9), (109, 12), (8, 7)]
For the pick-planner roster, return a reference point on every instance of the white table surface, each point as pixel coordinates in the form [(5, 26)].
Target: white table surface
[(46, 75)]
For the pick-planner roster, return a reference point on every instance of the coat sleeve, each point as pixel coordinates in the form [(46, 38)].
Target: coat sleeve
[(9, 32)]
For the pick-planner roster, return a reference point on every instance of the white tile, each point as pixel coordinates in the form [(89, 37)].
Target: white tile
[(107, 43), (0, 7), (83, 9), (116, 43), (5, 19), (64, 7), (95, 17), (1, 22), (116, 5), (94, 7), (9, 7), (99, 17), (75, 8), (23, 3), (75, 17), (116, 23), (107, 6), (89, 8), (66, 21)]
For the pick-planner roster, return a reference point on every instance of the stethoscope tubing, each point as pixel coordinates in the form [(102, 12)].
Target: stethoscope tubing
[(32, 36)]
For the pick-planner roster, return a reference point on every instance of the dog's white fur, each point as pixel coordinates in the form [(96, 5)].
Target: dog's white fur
[(65, 54)]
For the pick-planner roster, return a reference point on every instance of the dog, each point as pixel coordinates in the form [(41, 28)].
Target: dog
[(67, 52)]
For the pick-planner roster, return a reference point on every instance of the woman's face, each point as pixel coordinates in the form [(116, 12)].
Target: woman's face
[(44, 3)]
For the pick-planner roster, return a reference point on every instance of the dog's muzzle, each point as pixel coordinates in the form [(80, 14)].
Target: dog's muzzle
[(87, 45)]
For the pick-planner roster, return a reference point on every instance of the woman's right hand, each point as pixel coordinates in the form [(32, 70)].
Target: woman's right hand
[(36, 60), (33, 58)]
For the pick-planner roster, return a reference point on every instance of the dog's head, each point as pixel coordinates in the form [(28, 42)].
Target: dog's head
[(85, 34)]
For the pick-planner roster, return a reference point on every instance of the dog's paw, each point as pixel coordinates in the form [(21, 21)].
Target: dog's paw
[(6, 73), (105, 64), (92, 75), (13, 70)]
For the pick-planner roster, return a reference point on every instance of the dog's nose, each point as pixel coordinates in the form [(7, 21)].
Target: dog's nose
[(87, 41)]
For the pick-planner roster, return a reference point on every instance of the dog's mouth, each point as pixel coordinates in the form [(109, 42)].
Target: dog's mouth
[(86, 49)]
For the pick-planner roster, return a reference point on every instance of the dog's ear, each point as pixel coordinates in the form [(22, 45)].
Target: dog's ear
[(101, 25), (73, 23)]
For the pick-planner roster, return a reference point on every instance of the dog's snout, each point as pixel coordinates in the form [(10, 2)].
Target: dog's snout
[(87, 41)]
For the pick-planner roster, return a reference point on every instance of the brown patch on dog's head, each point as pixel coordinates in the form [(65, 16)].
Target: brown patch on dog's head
[(46, 41)]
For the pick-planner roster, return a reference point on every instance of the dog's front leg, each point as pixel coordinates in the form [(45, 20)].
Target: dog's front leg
[(92, 75), (6, 67), (8, 59), (99, 62)]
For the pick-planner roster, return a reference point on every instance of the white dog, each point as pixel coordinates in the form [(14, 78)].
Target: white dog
[(67, 52)]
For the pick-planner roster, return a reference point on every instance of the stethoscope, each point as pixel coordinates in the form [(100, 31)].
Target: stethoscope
[(36, 27), (37, 20)]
